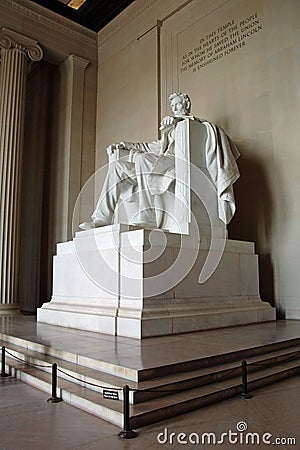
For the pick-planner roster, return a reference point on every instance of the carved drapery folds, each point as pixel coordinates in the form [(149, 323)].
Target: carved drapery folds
[(16, 51)]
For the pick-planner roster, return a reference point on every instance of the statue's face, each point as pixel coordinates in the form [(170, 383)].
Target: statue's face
[(178, 107)]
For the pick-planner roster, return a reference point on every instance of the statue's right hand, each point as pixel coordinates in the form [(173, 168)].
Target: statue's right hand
[(166, 122), (110, 149), (126, 145)]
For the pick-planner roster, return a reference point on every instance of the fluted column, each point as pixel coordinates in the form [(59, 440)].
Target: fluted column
[(16, 51)]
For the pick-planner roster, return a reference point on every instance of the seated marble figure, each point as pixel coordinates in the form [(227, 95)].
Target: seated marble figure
[(149, 170)]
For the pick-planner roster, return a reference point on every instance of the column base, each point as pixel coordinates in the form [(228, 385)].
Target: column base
[(9, 309)]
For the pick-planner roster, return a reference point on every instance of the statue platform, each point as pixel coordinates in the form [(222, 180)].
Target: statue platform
[(125, 281)]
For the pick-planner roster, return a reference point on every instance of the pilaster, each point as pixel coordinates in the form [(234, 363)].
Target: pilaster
[(16, 51), (73, 73)]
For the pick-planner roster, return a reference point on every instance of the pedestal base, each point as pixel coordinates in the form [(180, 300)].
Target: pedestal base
[(138, 283)]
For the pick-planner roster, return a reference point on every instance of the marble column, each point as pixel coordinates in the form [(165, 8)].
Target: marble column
[(16, 51)]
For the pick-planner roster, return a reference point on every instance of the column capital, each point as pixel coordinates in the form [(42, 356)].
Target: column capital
[(75, 60), (10, 39)]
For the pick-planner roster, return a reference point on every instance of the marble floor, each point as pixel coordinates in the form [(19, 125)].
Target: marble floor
[(27, 421)]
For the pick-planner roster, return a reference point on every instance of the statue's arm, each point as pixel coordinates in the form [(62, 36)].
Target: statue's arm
[(153, 147), (142, 147)]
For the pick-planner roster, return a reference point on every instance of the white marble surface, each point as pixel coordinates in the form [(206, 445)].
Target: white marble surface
[(136, 355), (185, 176), (70, 427), (126, 283), (62, 427)]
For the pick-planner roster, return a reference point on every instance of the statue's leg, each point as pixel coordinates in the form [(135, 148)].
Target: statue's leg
[(143, 166), (120, 173)]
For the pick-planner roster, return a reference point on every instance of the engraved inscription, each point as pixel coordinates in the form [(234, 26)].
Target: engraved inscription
[(223, 41)]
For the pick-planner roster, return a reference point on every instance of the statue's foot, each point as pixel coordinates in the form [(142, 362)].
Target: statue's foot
[(143, 224), (94, 224), (101, 223), (86, 225), (145, 219)]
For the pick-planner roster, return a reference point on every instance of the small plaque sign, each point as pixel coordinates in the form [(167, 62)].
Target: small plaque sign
[(111, 394)]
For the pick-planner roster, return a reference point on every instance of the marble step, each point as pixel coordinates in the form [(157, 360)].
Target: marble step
[(77, 396), (97, 380), (92, 363), (91, 378), (209, 361), (200, 377), (156, 409), (149, 373), (179, 403)]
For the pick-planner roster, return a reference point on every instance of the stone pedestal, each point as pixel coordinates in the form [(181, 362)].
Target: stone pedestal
[(16, 50), (86, 282), (133, 282)]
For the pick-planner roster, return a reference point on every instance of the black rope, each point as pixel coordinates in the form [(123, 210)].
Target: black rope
[(26, 363), (157, 390), (276, 363), (88, 382), (236, 369)]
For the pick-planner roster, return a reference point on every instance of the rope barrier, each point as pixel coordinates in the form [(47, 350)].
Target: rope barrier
[(88, 382), (153, 390), (27, 363), (216, 380), (58, 370), (245, 394), (3, 373), (276, 363), (54, 398), (127, 432)]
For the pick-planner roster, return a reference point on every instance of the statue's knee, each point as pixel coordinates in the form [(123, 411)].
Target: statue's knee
[(142, 162), (138, 158), (120, 166)]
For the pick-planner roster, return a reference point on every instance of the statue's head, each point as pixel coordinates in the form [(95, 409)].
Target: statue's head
[(180, 104)]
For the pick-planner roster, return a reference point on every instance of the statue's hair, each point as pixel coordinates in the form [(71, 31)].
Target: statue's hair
[(184, 97)]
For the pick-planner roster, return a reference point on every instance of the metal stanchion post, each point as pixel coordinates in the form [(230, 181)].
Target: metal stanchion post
[(3, 374), (126, 433), (245, 393), (54, 398)]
